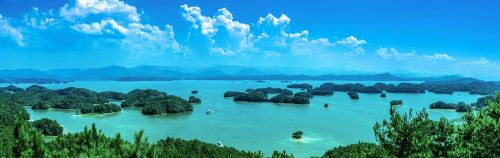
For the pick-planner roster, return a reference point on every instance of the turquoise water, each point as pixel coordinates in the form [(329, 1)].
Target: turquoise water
[(252, 126)]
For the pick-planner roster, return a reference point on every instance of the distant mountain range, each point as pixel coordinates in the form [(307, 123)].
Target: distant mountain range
[(159, 73)]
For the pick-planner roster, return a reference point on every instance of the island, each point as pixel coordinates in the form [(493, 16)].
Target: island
[(396, 102), (297, 135), (383, 95), (300, 86), (261, 95), (458, 107), (194, 100), (353, 95), (154, 102)]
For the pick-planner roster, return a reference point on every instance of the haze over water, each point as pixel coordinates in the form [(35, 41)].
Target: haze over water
[(252, 126)]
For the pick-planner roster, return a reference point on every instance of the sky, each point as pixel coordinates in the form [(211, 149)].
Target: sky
[(415, 37)]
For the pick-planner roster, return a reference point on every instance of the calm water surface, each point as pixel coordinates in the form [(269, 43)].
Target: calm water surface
[(252, 126)]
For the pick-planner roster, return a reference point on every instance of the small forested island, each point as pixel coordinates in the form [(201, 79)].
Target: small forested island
[(261, 95), (353, 95), (383, 95), (458, 107), (396, 102), (297, 135), (300, 86), (154, 102), (194, 100)]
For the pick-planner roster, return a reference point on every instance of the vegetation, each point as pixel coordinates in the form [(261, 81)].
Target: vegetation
[(383, 95), (303, 94), (232, 94), (483, 101), (360, 150), (416, 135), (112, 95), (301, 86), (93, 143), (459, 107), (19, 138), (396, 102), (320, 91), (260, 95), (155, 102), (48, 127), (297, 135), (255, 96), (100, 108), (285, 98), (194, 100), (270, 90), (353, 95), (405, 88)]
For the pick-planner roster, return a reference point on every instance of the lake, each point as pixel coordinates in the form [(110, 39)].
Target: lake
[(251, 126)]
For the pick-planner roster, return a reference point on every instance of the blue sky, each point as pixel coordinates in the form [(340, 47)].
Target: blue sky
[(419, 37)]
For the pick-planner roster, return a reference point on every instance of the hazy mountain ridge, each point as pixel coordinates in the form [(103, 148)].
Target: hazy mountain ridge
[(220, 72)]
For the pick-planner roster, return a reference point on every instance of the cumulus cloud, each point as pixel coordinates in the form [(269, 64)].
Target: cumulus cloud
[(83, 8), (229, 37), (98, 28), (145, 38), (7, 30), (351, 41), (121, 19), (354, 44), (226, 35), (270, 19)]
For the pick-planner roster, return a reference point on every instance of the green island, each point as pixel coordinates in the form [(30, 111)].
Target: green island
[(85, 101), (261, 95), (473, 86)]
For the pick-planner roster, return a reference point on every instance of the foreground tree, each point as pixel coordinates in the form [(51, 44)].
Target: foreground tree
[(48, 127), (480, 133)]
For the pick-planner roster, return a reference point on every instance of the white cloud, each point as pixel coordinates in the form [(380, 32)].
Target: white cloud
[(7, 30), (439, 56), (223, 31), (120, 18), (40, 20), (221, 51), (193, 15), (351, 41), (303, 46), (393, 53), (83, 8), (149, 39), (354, 44), (481, 61), (283, 20), (99, 28)]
